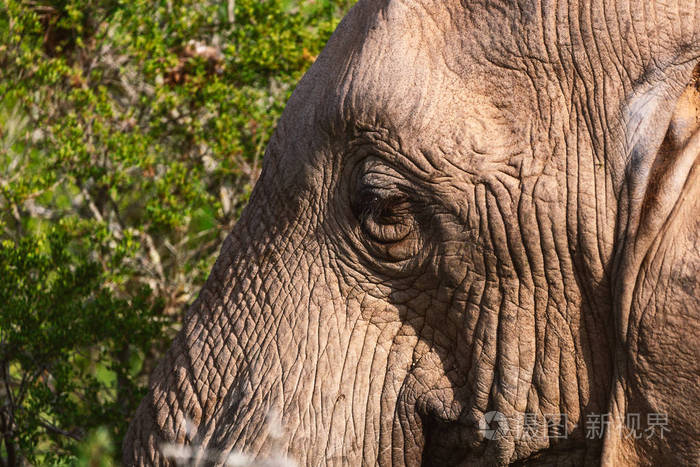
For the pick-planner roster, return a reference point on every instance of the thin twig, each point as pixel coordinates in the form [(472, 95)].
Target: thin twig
[(59, 431), (231, 12)]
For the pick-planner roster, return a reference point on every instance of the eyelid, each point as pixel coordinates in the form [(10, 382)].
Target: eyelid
[(379, 187), (382, 180)]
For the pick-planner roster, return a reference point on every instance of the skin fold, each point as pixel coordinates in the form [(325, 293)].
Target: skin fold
[(467, 207)]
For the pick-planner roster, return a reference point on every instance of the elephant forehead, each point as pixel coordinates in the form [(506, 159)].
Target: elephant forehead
[(402, 76)]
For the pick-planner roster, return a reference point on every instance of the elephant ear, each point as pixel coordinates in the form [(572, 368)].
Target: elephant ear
[(656, 289)]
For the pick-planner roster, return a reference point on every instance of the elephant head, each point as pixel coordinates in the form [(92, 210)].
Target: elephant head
[(475, 236)]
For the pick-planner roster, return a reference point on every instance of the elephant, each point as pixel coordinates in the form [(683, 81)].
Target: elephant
[(475, 241)]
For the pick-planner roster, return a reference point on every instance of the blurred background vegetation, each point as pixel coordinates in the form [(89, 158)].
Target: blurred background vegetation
[(131, 134)]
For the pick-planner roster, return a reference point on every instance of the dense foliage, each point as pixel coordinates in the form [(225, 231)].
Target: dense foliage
[(131, 133)]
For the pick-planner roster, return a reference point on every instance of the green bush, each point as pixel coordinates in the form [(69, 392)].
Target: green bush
[(131, 133), (71, 351)]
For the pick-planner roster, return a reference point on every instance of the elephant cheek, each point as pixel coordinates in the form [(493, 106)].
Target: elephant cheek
[(668, 328), (662, 355)]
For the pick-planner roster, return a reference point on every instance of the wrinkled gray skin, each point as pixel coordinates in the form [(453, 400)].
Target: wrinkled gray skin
[(466, 207)]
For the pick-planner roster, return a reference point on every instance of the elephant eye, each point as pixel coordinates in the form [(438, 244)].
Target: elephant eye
[(387, 223), (385, 207), (384, 218)]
